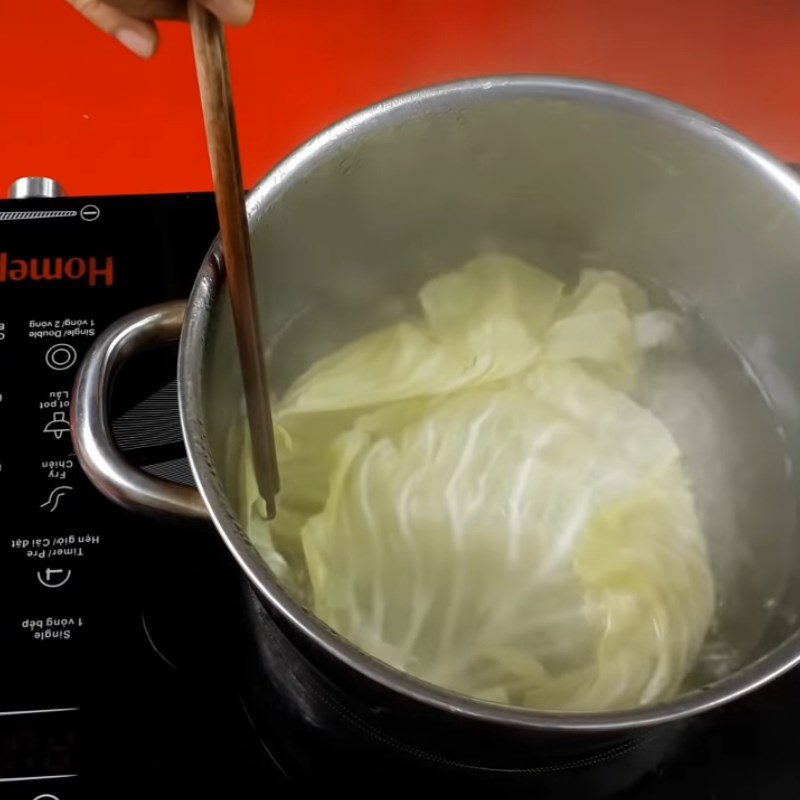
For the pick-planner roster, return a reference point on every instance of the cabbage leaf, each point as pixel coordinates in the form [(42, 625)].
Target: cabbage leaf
[(473, 497)]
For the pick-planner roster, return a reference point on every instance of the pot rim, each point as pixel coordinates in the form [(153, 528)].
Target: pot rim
[(190, 362)]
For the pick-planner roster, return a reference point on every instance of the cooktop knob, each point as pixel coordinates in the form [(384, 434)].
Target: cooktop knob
[(35, 187)]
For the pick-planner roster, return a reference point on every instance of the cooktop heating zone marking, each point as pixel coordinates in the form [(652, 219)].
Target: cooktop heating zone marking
[(25, 711), (6, 216)]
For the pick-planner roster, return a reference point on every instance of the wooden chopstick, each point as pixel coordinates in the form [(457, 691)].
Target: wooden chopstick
[(213, 75)]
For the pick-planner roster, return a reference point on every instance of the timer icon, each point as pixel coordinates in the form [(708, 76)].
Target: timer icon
[(52, 578)]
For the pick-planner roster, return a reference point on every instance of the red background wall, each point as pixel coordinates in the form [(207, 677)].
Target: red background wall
[(77, 107)]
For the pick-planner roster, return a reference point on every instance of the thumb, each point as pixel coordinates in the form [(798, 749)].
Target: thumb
[(137, 35), (234, 12)]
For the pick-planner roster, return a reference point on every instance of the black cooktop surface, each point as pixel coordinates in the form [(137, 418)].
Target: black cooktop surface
[(119, 636)]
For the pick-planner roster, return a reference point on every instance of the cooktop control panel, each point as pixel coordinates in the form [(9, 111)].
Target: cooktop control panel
[(71, 563)]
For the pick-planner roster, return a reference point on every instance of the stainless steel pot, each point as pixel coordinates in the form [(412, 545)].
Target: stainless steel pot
[(555, 170)]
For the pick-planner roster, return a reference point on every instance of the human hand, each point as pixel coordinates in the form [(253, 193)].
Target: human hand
[(131, 21)]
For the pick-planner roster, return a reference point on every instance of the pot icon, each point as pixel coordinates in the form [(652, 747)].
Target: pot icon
[(58, 425)]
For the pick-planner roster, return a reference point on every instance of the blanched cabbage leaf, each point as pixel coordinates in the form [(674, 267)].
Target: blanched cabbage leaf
[(472, 497)]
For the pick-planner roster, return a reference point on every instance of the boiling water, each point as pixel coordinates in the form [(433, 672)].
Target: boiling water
[(710, 399), (736, 458)]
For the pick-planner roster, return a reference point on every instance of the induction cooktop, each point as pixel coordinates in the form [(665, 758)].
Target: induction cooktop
[(120, 635)]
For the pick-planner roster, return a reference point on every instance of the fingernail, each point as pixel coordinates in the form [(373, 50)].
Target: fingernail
[(234, 12), (138, 42)]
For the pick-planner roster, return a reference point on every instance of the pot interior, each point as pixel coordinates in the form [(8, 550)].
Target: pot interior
[(564, 175)]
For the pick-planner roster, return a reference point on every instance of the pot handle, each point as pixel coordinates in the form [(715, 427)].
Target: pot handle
[(94, 445)]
